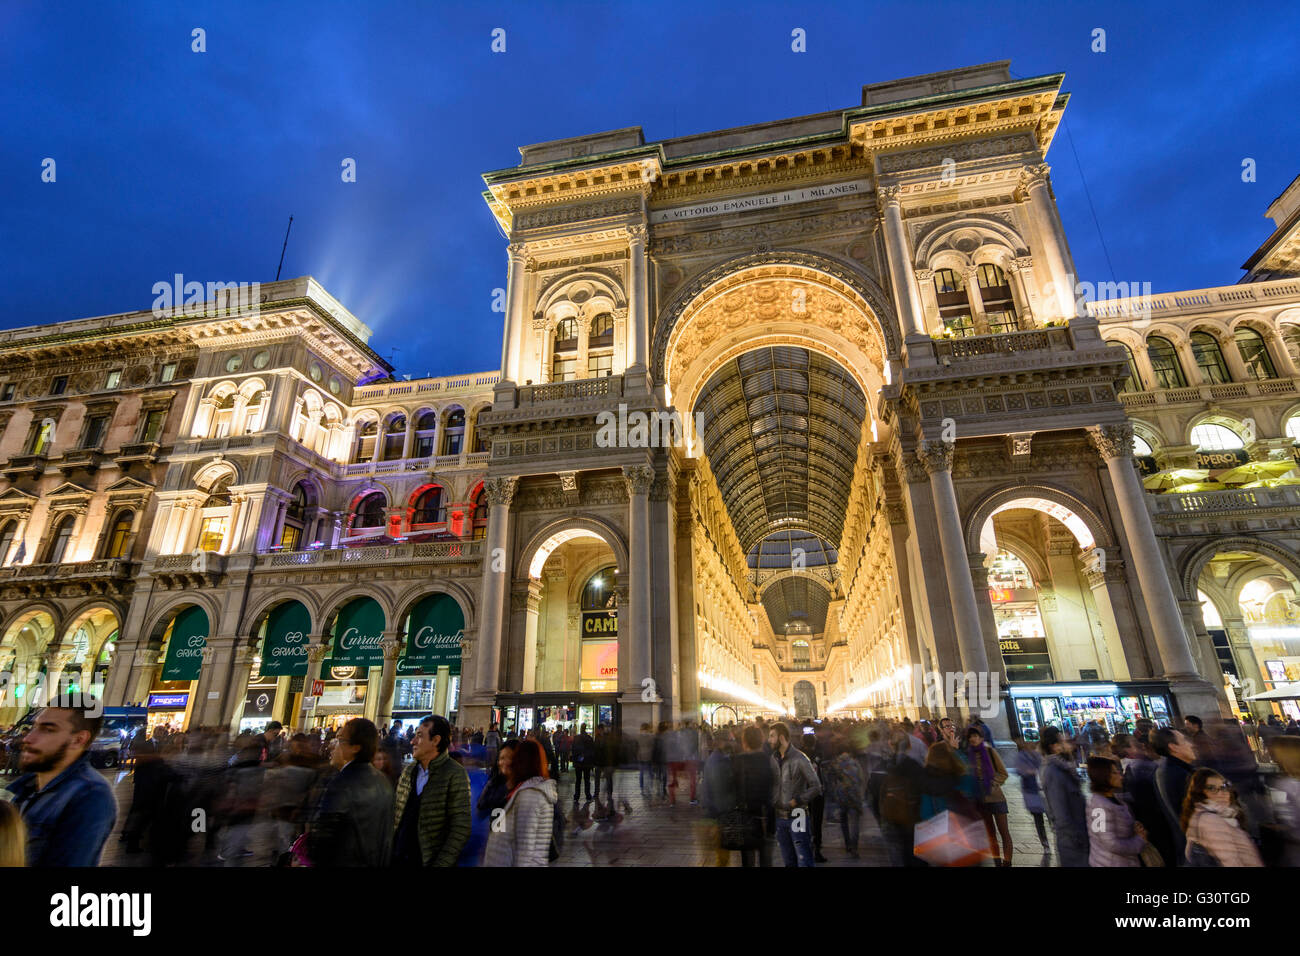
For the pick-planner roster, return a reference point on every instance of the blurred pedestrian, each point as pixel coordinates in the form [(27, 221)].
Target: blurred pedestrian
[(990, 774), (525, 834), (1064, 798), (352, 824), (1116, 839), (1173, 772), (848, 790), (1028, 765)]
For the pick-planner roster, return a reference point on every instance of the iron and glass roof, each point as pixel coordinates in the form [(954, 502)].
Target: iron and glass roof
[(781, 432), (797, 600)]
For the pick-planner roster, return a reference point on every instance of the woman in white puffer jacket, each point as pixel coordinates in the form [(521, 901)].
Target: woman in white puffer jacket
[(521, 834)]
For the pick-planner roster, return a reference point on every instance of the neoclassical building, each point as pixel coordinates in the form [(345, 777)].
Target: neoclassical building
[(807, 417)]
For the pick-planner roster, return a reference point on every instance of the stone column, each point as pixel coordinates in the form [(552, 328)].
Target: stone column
[(929, 298), (1096, 563), (232, 708), (512, 340), (979, 576), (496, 572), (1022, 271), (1115, 445), (441, 690), (640, 640), (528, 683), (317, 648), (392, 647), (214, 678), (907, 298), (143, 665), (976, 299), (638, 299), (55, 659), (936, 456), (1033, 180)]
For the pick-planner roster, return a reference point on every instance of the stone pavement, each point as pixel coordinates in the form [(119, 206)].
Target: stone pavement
[(656, 834)]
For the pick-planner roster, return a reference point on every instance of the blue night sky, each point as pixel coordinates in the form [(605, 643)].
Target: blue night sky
[(173, 161)]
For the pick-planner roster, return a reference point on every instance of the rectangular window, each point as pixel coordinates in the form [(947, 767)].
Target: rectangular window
[(290, 537), (212, 533), (114, 379), (95, 431), (564, 369), (599, 366), (59, 385), (168, 372), (453, 443), (423, 447), (152, 429), (7, 392), (1002, 321)]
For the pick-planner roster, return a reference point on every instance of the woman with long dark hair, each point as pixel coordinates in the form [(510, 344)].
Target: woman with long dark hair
[(1211, 820), (522, 837), (1115, 838)]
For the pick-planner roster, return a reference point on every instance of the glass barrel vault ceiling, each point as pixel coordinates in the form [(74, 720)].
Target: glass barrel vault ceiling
[(781, 432)]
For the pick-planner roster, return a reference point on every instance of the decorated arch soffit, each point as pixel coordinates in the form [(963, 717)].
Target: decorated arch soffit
[(795, 298), (1194, 563)]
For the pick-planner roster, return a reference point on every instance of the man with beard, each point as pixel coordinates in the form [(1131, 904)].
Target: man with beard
[(68, 808)]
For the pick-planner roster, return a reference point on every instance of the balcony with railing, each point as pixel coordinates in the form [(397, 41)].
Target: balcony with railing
[(1203, 394), (608, 386), (104, 569), (406, 552), (1196, 301), (450, 386), (1228, 501)]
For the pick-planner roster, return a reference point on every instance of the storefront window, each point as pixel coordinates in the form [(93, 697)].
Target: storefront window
[(1022, 637)]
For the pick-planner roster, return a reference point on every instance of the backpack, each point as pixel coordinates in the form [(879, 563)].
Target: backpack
[(557, 833), (896, 806)]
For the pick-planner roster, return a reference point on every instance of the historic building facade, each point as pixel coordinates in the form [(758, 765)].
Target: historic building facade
[(806, 417)]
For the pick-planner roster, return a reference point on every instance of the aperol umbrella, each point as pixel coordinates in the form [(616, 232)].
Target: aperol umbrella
[(1198, 486), (1254, 471), (1164, 480), (1273, 482)]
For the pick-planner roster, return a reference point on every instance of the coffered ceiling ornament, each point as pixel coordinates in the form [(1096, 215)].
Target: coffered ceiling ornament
[(580, 295), (796, 298)]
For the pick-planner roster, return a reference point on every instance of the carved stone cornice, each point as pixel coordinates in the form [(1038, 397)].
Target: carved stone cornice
[(639, 478), (1112, 441), (747, 236), (500, 490), (935, 455)]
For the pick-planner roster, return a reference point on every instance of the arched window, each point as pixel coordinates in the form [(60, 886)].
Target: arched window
[(1133, 383), (1254, 353), (566, 336), (800, 652), (454, 435), (426, 428), (216, 516), (367, 435), (1291, 339), (600, 593), (1164, 362), (7, 535), (999, 306), (62, 537), (600, 346), (1208, 436), (428, 507), (480, 516), (954, 303), (120, 535), (43, 438), (224, 414), (395, 438), (253, 412), (1209, 358), (295, 520), (1141, 447), (370, 511), (1291, 429)]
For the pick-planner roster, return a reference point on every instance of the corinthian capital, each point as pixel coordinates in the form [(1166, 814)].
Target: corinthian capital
[(890, 195), (936, 455), (637, 233), (638, 478), (1112, 441), (500, 491), (1034, 175), (518, 251)]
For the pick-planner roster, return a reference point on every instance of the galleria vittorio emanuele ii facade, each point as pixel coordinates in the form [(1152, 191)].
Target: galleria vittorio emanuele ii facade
[(807, 417)]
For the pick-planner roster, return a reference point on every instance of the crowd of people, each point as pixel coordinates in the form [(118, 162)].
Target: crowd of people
[(430, 794)]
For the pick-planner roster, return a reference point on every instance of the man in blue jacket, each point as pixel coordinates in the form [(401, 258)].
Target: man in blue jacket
[(68, 808)]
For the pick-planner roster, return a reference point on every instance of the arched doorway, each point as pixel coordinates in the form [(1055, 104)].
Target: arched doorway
[(428, 673), (352, 666), (22, 658), (805, 700), (169, 687), (278, 669), (571, 655)]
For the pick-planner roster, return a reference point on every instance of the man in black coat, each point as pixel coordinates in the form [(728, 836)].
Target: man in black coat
[(1177, 763), (584, 758), (1140, 785), (353, 823)]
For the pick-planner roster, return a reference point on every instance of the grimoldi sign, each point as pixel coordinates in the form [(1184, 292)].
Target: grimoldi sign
[(786, 197), (189, 636), (284, 654)]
